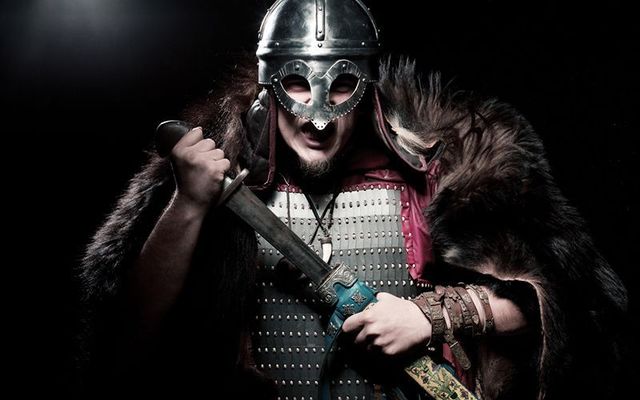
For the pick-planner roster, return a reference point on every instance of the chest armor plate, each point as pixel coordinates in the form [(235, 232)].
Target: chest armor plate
[(288, 337)]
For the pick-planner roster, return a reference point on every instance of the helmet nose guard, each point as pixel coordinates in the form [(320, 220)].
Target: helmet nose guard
[(320, 110), (318, 40)]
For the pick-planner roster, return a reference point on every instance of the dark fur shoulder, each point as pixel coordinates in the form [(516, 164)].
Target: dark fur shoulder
[(125, 229), (498, 212)]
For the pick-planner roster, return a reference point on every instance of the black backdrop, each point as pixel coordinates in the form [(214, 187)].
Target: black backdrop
[(86, 82)]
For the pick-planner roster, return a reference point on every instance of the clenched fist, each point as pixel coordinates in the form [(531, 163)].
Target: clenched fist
[(199, 169)]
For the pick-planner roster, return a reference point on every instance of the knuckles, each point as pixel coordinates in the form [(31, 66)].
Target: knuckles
[(191, 157), (178, 153), (215, 174), (217, 154), (226, 164), (369, 317)]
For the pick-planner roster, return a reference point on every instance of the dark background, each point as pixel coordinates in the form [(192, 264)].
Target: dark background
[(85, 82)]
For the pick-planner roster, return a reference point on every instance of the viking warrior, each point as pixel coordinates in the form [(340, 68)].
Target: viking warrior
[(441, 203)]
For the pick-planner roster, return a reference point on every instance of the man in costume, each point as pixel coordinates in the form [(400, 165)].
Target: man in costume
[(441, 202)]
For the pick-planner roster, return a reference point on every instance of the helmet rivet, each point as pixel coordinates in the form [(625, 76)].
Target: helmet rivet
[(277, 43), (319, 44), (363, 43), (297, 67), (344, 66)]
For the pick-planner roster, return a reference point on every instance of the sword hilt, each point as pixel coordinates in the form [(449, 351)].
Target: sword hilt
[(169, 133)]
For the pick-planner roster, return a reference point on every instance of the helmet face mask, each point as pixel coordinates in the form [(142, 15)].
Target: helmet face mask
[(320, 41), (320, 110)]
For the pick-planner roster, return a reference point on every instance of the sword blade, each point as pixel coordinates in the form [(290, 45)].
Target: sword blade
[(251, 210)]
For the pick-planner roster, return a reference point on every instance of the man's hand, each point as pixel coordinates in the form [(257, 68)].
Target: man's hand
[(392, 325), (199, 169)]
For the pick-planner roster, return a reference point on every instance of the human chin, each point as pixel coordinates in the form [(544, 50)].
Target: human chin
[(316, 165), (313, 162)]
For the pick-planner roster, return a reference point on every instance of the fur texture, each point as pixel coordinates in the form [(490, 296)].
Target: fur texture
[(499, 213), (498, 218)]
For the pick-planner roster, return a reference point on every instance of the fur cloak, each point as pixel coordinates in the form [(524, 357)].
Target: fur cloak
[(497, 219)]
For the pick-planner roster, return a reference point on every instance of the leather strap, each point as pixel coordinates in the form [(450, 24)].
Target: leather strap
[(489, 323), (455, 310), (430, 303), (472, 322), (438, 324)]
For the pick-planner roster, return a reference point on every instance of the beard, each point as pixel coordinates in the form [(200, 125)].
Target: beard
[(316, 170), (313, 176), (317, 176)]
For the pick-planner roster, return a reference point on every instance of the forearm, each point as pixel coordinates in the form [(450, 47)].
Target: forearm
[(507, 317), (160, 270)]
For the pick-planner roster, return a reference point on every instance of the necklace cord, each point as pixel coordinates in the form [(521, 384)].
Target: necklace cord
[(329, 207)]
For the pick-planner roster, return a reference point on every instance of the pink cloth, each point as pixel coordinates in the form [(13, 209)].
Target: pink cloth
[(370, 168)]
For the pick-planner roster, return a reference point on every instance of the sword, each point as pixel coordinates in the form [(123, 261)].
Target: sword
[(337, 287), (242, 202)]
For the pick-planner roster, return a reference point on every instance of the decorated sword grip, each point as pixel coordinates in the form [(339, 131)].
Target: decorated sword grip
[(342, 290), (336, 284)]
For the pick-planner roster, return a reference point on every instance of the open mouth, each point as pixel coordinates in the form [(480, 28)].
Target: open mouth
[(315, 137)]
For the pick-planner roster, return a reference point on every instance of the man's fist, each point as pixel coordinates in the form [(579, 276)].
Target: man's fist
[(199, 169)]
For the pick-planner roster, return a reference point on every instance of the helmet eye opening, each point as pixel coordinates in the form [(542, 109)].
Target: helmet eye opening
[(295, 84), (343, 88)]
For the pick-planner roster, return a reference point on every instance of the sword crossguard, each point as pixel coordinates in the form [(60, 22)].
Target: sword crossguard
[(230, 185), (341, 275)]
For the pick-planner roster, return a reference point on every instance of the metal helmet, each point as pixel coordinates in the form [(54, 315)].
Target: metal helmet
[(318, 40)]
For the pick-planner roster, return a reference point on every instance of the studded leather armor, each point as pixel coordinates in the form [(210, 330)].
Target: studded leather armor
[(366, 234)]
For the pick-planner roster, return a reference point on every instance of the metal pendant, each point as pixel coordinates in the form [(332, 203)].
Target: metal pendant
[(327, 248)]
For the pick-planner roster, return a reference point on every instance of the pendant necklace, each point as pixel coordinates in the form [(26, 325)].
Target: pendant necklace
[(325, 241)]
